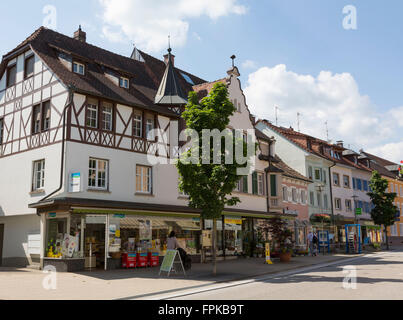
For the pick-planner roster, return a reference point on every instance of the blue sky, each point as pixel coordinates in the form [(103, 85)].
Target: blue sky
[(305, 36)]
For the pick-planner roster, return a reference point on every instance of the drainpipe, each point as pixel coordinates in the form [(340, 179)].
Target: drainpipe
[(68, 104), (331, 191)]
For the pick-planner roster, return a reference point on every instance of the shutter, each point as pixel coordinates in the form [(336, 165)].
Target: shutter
[(273, 185), (245, 188), (254, 183)]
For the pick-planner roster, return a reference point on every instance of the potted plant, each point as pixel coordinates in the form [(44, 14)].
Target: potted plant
[(283, 238)]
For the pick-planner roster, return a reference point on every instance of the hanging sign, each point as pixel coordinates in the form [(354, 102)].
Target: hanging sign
[(145, 230), (75, 182)]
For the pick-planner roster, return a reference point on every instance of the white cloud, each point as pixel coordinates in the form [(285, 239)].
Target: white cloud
[(334, 98), (249, 64), (148, 23)]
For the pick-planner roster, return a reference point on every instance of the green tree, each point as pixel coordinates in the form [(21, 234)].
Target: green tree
[(210, 185), (384, 211)]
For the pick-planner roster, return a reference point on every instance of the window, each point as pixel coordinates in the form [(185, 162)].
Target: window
[(346, 181), (273, 185), (150, 130), (359, 184), (78, 68), (107, 116), (336, 179), (324, 176), (310, 173), (41, 117), (187, 78), (92, 114), (260, 183), (46, 110), (124, 82), (393, 231), (29, 66), (38, 177), (348, 205), (144, 179), (312, 198), (11, 75), (337, 203), (365, 185), (138, 125), (303, 197), (318, 174), (325, 201), (319, 199), (294, 195), (98, 174), (245, 187), (285, 194), (354, 183), (1, 130)]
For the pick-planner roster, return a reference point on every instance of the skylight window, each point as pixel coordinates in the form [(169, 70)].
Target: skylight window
[(188, 79)]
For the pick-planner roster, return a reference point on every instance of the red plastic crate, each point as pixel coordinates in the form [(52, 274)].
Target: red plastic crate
[(153, 259), (129, 260), (142, 260)]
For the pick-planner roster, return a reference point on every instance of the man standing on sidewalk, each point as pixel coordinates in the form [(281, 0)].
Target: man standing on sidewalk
[(311, 247)]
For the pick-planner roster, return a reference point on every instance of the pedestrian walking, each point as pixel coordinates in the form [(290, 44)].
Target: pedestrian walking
[(311, 245), (315, 241)]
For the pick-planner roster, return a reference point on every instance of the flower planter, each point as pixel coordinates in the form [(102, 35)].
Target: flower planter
[(285, 257)]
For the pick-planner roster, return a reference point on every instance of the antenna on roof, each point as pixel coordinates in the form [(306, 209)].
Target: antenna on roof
[(277, 108), (298, 121), (327, 131)]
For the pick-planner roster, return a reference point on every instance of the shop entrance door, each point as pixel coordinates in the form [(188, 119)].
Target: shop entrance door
[(95, 242), (1, 243)]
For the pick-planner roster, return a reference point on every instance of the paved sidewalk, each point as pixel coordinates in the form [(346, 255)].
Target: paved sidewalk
[(24, 284)]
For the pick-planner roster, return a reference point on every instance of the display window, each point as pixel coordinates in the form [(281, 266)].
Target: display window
[(63, 237), (138, 234)]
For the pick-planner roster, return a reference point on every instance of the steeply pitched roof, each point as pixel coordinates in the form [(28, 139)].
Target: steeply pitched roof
[(145, 76), (169, 92), (290, 172)]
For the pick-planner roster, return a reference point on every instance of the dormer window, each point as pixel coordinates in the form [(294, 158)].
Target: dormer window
[(78, 68), (124, 82)]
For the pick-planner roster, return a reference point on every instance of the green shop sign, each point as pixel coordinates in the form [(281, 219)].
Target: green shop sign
[(358, 211)]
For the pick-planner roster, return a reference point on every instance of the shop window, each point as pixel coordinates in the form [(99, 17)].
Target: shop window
[(98, 174), (144, 180), (38, 177)]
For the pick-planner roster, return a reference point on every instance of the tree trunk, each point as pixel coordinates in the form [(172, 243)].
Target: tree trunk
[(387, 239), (214, 238)]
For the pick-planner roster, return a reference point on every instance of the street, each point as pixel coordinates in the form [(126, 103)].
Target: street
[(379, 276)]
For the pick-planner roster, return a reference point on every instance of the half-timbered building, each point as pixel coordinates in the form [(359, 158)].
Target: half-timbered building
[(83, 176)]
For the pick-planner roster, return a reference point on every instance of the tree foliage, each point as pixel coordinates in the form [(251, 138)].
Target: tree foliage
[(209, 186), (384, 211)]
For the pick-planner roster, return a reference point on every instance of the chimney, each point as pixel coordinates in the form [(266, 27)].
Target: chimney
[(80, 35), (166, 57)]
